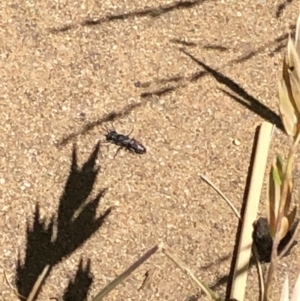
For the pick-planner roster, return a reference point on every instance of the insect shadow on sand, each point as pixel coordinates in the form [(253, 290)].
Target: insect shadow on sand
[(75, 222)]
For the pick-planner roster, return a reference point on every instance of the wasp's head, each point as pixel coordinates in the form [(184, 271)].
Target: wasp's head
[(111, 136)]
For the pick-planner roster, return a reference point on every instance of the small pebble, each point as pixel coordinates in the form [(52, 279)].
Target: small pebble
[(236, 142), (26, 184)]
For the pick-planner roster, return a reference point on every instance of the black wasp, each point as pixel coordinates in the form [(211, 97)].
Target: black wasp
[(124, 141)]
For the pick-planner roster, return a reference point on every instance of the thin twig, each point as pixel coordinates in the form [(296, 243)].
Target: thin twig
[(38, 283), (209, 293), (9, 284), (222, 195), (260, 273), (256, 256)]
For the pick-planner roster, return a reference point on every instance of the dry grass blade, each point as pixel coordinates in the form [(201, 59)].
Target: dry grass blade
[(286, 109), (38, 283), (10, 286), (297, 36), (289, 95), (209, 293), (251, 208), (293, 59), (296, 291), (284, 228), (260, 272), (285, 290), (284, 193), (288, 198), (273, 199), (274, 202), (125, 274), (294, 72), (222, 195), (286, 184)]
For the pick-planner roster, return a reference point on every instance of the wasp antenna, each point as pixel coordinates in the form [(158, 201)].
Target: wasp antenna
[(130, 133), (113, 126), (105, 128), (104, 142), (117, 152)]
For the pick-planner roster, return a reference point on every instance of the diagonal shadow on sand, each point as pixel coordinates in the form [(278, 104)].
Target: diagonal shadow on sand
[(75, 223), (167, 85), (245, 99), (106, 118), (178, 81), (152, 12)]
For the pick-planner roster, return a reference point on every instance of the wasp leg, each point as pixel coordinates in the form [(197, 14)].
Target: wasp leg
[(104, 131), (117, 151), (105, 142)]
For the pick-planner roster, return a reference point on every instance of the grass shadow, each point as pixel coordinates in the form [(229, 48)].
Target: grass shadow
[(281, 7), (152, 12), (183, 42), (276, 46), (159, 92), (112, 116), (245, 98), (76, 221), (258, 108), (178, 80), (79, 287)]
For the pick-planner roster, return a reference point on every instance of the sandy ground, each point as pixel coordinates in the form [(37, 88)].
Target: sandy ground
[(188, 78)]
